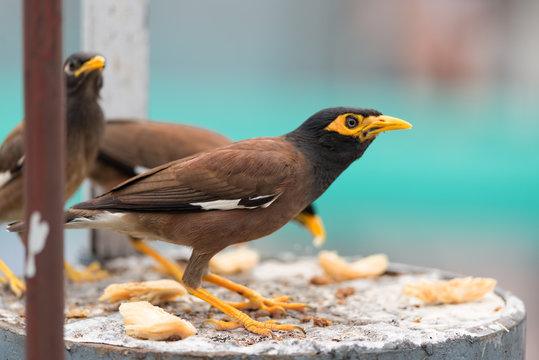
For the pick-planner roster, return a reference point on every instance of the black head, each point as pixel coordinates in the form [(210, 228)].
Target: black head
[(83, 74), (345, 131)]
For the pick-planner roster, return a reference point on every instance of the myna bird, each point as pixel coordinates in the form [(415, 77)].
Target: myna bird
[(131, 147), (84, 128), (234, 194)]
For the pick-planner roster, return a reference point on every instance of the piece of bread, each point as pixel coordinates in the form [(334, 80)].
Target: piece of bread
[(143, 320), (454, 291), (156, 292), (234, 261), (339, 269)]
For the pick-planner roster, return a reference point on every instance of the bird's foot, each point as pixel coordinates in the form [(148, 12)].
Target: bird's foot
[(265, 328), (93, 272), (275, 307), (16, 285), (239, 318)]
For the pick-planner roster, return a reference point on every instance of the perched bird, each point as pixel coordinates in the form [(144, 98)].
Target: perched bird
[(131, 147), (84, 127), (234, 194)]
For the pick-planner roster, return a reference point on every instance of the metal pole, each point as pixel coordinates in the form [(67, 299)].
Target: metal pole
[(44, 178)]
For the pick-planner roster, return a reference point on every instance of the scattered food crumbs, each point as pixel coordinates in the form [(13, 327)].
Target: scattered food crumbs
[(378, 313), (417, 319), (340, 270), (344, 292), (321, 280), (498, 308), (321, 322), (143, 320), (77, 313), (156, 292), (454, 291), (234, 261)]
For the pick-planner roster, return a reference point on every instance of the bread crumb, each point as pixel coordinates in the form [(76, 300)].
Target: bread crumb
[(321, 280), (454, 291), (234, 261), (145, 321), (344, 292), (321, 322), (340, 270), (77, 313), (156, 292)]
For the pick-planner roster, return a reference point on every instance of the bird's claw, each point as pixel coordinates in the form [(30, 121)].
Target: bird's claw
[(265, 328), (275, 307), (16, 285)]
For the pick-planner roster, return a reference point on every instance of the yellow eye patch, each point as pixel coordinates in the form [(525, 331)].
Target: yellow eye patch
[(346, 124)]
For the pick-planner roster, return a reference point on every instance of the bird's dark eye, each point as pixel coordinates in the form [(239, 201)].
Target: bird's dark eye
[(351, 122), (70, 67)]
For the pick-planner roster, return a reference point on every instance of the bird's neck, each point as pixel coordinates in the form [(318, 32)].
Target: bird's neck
[(328, 158), (83, 113), (85, 124)]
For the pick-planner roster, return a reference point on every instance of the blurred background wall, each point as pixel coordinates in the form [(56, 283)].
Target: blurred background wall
[(459, 192)]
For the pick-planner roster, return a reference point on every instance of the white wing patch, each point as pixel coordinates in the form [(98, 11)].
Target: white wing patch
[(4, 178), (249, 203)]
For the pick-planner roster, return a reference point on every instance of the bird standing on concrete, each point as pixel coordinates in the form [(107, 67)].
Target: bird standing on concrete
[(234, 194), (84, 127), (131, 147)]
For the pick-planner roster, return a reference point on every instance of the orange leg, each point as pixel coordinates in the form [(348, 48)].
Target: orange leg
[(275, 306), (92, 272), (16, 285)]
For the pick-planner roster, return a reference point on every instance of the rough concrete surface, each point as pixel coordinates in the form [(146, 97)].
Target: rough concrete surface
[(374, 322)]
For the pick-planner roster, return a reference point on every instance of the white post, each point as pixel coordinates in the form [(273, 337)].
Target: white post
[(118, 30)]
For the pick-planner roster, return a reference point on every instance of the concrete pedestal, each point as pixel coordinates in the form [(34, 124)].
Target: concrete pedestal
[(374, 322)]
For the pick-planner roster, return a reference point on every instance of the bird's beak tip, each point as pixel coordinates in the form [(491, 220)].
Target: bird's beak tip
[(95, 63)]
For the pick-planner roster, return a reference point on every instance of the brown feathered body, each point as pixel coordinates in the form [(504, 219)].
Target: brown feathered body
[(162, 203)]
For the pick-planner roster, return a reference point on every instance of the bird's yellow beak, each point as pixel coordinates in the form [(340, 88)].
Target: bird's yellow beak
[(374, 125), (95, 63), (315, 225)]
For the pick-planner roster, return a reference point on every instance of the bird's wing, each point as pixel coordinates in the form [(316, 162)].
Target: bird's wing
[(234, 177), (132, 147), (12, 156)]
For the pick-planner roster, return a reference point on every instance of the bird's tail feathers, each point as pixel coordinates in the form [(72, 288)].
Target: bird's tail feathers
[(78, 219)]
